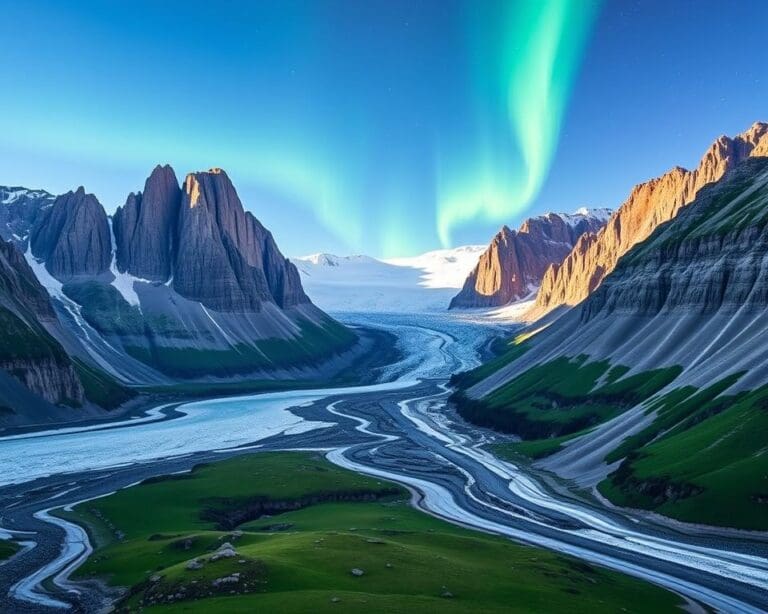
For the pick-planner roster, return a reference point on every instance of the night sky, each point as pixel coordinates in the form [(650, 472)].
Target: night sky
[(381, 127)]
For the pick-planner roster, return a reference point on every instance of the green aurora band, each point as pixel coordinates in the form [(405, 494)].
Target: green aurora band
[(525, 73)]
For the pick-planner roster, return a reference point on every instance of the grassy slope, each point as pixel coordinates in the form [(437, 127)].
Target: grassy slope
[(104, 308), (299, 561), (562, 397), (29, 343), (704, 459)]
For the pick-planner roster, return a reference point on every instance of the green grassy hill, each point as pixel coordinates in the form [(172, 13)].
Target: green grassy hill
[(300, 526)]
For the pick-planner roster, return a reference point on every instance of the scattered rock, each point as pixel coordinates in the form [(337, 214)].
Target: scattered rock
[(225, 551), (194, 564), (156, 578), (231, 579), (356, 572), (446, 595), (335, 600)]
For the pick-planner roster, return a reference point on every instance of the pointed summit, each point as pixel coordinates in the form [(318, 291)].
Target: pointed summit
[(221, 243), (145, 226), (72, 236)]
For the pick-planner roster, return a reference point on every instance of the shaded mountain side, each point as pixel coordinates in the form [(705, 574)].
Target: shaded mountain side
[(655, 387), (182, 283), (649, 205), (72, 236), (515, 261), (45, 374), (145, 227)]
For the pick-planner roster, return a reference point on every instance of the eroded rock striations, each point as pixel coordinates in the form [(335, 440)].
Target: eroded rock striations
[(27, 351), (649, 205), (145, 227), (515, 261), (187, 283), (226, 259), (72, 236)]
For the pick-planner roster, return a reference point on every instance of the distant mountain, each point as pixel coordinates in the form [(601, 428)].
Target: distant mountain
[(649, 204), (182, 282), (515, 261), (19, 209), (361, 283)]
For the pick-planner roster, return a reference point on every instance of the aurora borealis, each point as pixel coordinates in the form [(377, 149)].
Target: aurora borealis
[(386, 127), (526, 70)]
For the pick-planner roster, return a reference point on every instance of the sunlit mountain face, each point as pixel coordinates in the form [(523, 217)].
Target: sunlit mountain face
[(389, 128)]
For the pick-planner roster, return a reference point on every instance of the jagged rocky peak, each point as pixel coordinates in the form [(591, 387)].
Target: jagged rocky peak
[(145, 227), (19, 209), (225, 258), (649, 205), (72, 236), (515, 261)]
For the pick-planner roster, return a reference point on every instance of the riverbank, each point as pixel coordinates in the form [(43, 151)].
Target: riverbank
[(376, 350)]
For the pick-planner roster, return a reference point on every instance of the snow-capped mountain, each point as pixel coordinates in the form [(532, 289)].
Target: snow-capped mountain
[(362, 283)]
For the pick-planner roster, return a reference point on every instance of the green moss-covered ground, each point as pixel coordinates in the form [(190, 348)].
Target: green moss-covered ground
[(300, 560), (703, 459), (562, 397)]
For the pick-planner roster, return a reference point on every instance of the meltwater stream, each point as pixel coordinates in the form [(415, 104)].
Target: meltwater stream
[(399, 432)]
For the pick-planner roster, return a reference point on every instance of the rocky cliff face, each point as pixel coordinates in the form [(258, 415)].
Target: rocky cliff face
[(27, 352), (226, 259), (515, 261), (145, 227), (649, 205), (694, 295), (187, 284), (713, 257), (72, 236)]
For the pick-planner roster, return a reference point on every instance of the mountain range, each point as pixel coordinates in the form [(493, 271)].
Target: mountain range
[(181, 283), (423, 283), (652, 389), (515, 261)]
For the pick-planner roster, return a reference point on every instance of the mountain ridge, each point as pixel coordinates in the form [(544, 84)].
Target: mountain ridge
[(649, 204), (515, 261)]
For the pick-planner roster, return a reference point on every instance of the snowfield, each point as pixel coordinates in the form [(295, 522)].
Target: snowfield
[(424, 283)]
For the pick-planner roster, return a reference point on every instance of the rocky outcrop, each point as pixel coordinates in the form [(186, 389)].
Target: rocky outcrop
[(27, 351), (649, 205), (72, 237), (515, 261), (226, 259), (50, 378), (19, 288), (145, 227)]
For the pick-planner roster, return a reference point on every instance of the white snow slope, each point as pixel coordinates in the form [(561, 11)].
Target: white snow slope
[(424, 283)]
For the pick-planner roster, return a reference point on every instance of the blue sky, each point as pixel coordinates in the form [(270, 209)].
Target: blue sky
[(358, 126)]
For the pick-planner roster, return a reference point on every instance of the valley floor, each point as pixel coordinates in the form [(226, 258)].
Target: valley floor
[(393, 432)]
